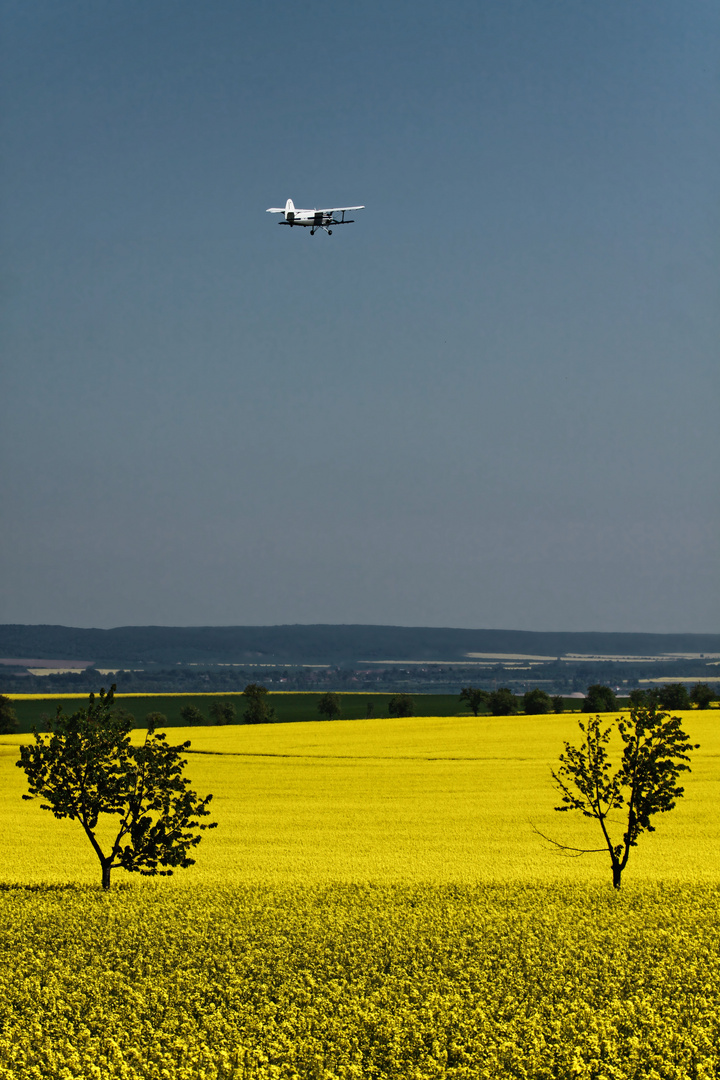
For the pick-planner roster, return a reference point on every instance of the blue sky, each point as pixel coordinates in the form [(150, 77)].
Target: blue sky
[(490, 402)]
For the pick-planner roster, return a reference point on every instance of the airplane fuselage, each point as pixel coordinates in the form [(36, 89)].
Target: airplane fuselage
[(313, 218)]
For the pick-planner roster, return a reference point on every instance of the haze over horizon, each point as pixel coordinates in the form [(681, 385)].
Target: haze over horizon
[(490, 402)]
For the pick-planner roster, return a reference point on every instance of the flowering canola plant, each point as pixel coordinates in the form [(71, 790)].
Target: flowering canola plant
[(355, 981)]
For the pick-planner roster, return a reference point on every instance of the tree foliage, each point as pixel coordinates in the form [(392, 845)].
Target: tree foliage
[(191, 715), (8, 717), (701, 695), (536, 702), (502, 702), (474, 698), (156, 719), (329, 705), (401, 705), (654, 753), (222, 712), (259, 710), (674, 696), (558, 704), (86, 767), (599, 698), (669, 696)]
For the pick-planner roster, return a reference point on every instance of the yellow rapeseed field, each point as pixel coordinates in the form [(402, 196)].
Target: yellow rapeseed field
[(450, 799), (374, 904), (397, 982)]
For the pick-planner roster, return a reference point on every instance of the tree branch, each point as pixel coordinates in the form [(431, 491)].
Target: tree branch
[(567, 848)]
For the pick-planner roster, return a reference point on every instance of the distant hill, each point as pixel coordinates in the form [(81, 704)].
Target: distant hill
[(322, 644)]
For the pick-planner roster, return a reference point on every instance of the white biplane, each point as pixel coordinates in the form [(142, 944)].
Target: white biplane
[(314, 219)]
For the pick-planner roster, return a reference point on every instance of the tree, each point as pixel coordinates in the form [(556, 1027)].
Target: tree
[(86, 767), (558, 704), (475, 698), (156, 719), (191, 715), (599, 699), (502, 702), (674, 696), (537, 701), (401, 705), (329, 705), (655, 752), (701, 695), (258, 710), (8, 717), (222, 712)]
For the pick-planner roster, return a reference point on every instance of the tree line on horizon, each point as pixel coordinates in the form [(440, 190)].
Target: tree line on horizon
[(501, 702), (599, 699)]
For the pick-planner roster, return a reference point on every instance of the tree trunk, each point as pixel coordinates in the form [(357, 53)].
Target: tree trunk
[(617, 873), (106, 875)]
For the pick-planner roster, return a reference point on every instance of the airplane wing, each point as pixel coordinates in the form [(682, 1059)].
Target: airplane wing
[(338, 209)]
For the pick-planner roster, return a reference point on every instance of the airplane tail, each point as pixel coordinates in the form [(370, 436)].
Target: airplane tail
[(290, 211)]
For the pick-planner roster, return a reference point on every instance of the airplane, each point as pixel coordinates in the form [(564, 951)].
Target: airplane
[(313, 219)]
